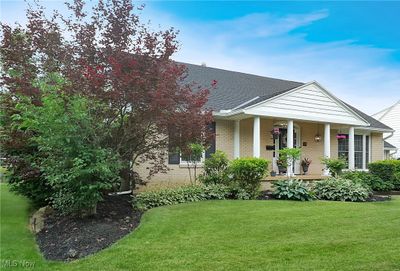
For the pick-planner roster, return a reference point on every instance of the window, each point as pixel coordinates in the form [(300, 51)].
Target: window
[(184, 160), (358, 151), (343, 150), (175, 158)]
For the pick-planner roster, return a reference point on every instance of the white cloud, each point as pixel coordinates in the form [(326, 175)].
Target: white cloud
[(264, 44)]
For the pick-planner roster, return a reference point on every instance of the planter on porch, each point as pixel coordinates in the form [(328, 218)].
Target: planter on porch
[(282, 166), (305, 164)]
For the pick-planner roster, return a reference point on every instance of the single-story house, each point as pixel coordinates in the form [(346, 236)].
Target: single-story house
[(256, 116), (391, 116)]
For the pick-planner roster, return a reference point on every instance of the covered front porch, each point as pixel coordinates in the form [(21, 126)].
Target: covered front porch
[(261, 136), (307, 117)]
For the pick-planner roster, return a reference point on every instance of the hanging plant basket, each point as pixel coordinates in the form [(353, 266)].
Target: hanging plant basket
[(275, 132)]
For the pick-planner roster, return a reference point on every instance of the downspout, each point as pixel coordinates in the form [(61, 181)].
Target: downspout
[(389, 136)]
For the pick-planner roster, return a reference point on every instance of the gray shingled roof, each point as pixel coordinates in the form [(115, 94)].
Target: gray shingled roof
[(387, 145), (374, 123), (236, 88)]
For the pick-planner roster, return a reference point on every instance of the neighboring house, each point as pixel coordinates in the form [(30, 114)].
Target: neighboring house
[(391, 116), (248, 108), (389, 150)]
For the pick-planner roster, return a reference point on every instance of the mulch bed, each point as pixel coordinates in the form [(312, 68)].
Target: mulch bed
[(71, 237), (379, 198)]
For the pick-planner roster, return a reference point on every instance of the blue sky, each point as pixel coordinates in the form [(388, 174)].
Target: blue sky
[(351, 48)]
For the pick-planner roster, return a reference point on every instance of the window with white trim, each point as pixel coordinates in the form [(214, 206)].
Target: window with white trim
[(358, 151), (343, 150), (186, 160)]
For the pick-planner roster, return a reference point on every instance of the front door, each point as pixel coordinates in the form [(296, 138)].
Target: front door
[(281, 143)]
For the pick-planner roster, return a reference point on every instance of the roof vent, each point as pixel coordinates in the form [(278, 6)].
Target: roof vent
[(203, 64)]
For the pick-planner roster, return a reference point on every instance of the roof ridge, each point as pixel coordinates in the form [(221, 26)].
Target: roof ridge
[(387, 109), (244, 73)]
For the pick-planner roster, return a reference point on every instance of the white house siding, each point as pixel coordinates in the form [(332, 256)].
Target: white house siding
[(309, 102), (391, 117)]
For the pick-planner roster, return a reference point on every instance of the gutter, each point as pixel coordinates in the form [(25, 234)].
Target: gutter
[(368, 128), (227, 113), (389, 136)]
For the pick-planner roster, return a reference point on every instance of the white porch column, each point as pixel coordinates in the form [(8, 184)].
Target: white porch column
[(236, 139), (364, 148), (327, 145), (290, 134), (351, 148), (256, 137), (290, 144)]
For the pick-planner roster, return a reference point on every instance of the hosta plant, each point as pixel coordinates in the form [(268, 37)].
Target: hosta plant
[(292, 190), (341, 190)]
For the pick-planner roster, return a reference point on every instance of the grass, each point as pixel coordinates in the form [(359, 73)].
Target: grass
[(231, 235)]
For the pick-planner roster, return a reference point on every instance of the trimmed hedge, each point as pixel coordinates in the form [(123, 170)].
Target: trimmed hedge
[(372, 181), (171, 196), (341, 190), (215, 169), (247, 174), (292, 190), (387, 170), (335, 166)]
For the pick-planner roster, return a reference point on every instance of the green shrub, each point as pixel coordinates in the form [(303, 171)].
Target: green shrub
[(247, 173), (73, 168), (37, 189), (396, 181), (335, 166), (292, 190), (341, 190), (236, 192), (372, 181), (215, 169), (171, 196), (387, 170)]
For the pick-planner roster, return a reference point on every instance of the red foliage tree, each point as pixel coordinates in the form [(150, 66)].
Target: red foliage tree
[(107, 54)]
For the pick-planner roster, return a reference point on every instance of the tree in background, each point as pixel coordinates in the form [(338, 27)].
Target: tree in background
[(107, 55)]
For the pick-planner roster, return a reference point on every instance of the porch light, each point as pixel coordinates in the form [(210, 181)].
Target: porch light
[(317, 137)]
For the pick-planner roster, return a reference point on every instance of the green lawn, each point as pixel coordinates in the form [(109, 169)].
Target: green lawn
[(231, 235)]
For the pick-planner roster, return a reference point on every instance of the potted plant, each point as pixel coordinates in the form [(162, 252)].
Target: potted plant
[(305, 164), (290, 155), (275, 133), (273, 173), (282, 166)]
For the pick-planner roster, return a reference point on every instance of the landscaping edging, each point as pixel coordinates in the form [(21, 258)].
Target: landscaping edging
[(71, 237)]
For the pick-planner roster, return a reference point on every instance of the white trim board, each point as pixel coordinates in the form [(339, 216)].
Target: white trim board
[(308, 102)]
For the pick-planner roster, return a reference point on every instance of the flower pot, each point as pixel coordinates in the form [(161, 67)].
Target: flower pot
[(273, 173), (282, 170), (305, 169)]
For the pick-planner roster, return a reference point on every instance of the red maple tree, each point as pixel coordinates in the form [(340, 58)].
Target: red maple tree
[(107, 53)]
